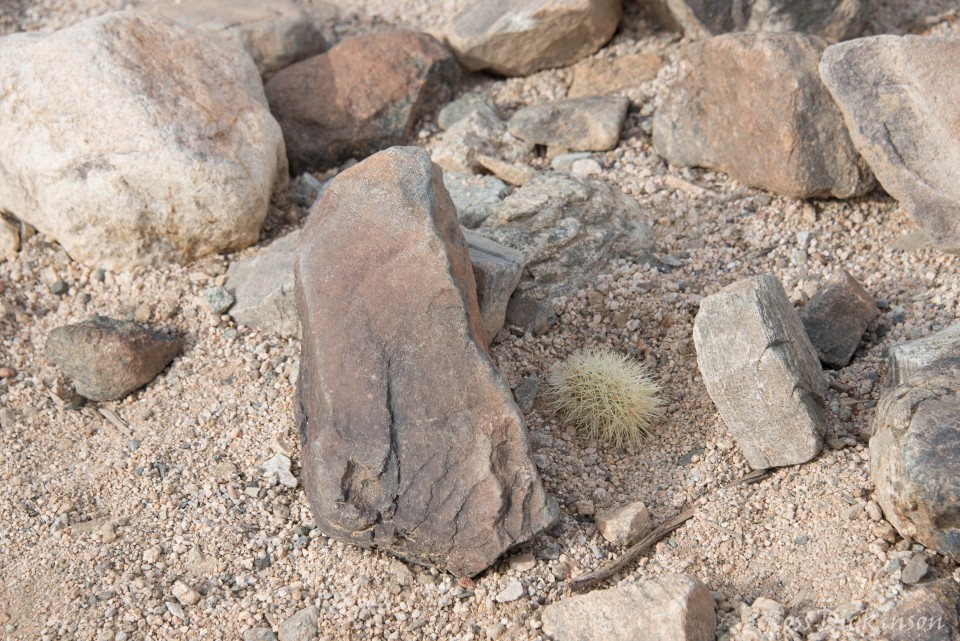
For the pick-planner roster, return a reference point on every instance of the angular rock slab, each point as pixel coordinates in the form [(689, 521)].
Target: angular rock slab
[(753, 106), (106, 359), (568, 228), (593, 123), (699, 19), (496, 269), (263, 286), (363, 95), (475, 197), (675, 607), (412, 440), (761, 372), (914, 460), (906, 359), (156, 146), (596, 77), (519, 37), (836, 318), (275, 34), (481, 133), (898, 95)]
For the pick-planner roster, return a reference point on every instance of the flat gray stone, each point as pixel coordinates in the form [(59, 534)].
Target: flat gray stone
[(463, 106), (753, 105), (259, 634), (898, 95), (674, 607), (836, 318), (263, 287), (497, 270), (592, 123), (411, 439), (908, 358), (479, 134), (475, 197), (568, 227), (302, 626), (761, 372)]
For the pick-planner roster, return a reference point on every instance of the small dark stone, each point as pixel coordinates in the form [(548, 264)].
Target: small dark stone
[(531, 315), (526, 392), (836, 318), (59, 288), (262, 562), (106, 359)]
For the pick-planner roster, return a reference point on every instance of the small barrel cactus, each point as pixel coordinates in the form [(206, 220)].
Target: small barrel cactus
[(607, 396)]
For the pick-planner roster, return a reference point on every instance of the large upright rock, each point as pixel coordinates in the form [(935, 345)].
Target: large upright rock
[(899, 98), (363, 95), (915, 456), (568, 228), (519, 37), (133, 140), (761, 372), (275, 33), (675, 607), (753, 106), (412, 441), (698, 19)]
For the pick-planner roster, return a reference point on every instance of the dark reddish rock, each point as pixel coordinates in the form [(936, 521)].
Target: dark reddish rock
[(412, 440), (363, 95), (753, 105), (106, 359), (836, 318)]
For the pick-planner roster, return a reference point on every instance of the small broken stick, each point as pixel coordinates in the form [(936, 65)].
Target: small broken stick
[(594, 578)]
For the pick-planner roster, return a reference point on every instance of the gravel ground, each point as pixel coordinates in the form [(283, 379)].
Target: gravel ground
[(173, 490)]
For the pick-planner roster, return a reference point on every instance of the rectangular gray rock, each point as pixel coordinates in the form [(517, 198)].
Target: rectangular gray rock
[(906, 359), (497, 270), (762, 372)]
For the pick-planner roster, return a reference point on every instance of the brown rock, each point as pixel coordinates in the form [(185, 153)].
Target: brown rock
[(363, 95), (836, 318), (107, 359), (753, 106), (412, 441), (595, 77)]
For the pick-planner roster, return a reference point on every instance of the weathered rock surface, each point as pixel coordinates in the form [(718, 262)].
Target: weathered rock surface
[(753, 106), (898, 97), (596, 77), (275, 34), (517, 174), (479, 134), (363, 95), (836, 318), (302, 626), (908, 358), (106, 359), (165, 152), (567, 228), (412, 440), (463, 106), (519, 37), (675, 607), (263, 287), (496, 269), (475, 197), (9, 240), (761, 372), (593, 123), (624, 525), (833, 19), (930, 612), (913, 456)]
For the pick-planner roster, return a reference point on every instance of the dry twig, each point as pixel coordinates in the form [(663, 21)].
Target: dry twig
[(594, 578)]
